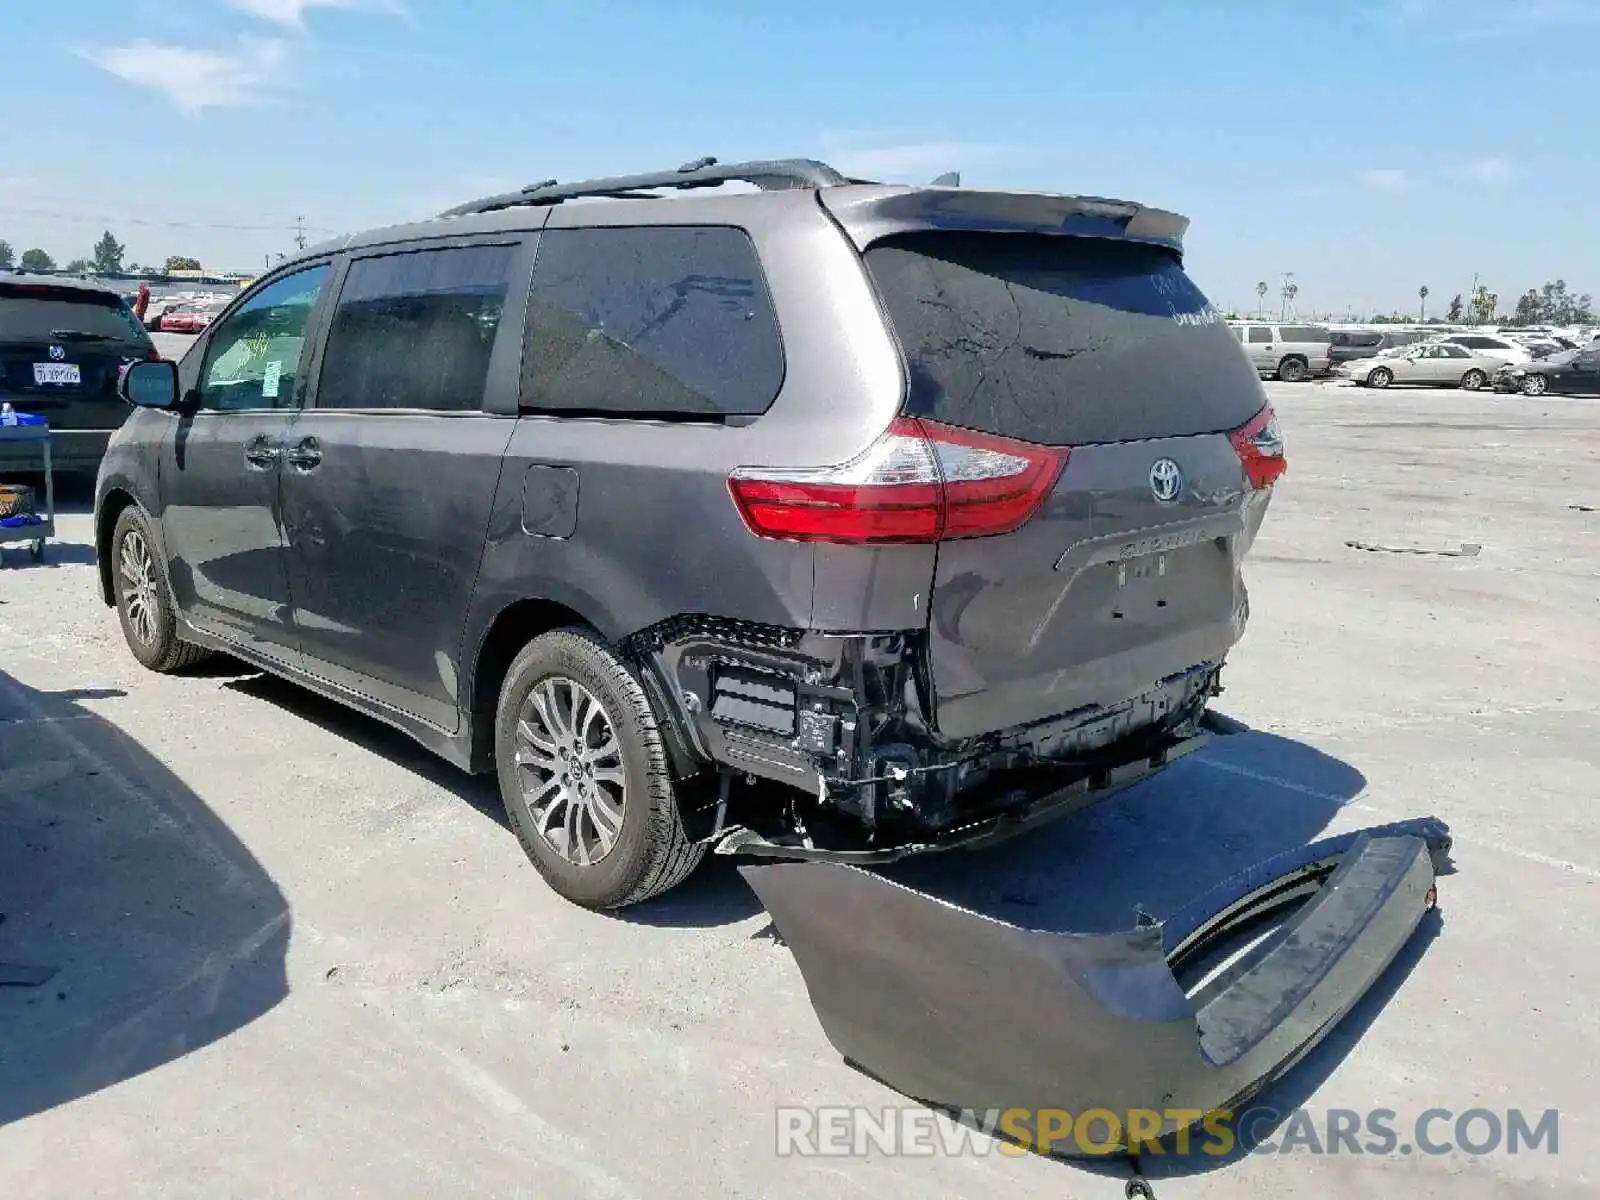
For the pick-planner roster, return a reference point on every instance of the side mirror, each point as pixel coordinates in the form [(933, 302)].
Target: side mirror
[(151, 384)]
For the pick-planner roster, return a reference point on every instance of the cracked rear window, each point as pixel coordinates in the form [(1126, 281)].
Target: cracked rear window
[(1060, 340)]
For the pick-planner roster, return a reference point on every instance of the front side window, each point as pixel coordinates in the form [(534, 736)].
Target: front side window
[(415, 330), (254, 356), (663, 322)]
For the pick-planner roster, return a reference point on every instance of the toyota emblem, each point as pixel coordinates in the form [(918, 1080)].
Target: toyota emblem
[(1166, 480), (58, 353)]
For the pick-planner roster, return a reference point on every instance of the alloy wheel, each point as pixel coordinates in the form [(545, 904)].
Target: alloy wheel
[(570, 762), (138, 571)]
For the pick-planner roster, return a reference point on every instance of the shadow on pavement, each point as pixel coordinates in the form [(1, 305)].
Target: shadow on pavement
[(1243, 799), (159, 930), (56, 554)]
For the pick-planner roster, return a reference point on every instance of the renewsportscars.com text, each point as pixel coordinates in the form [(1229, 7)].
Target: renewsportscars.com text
[(846, 1131)]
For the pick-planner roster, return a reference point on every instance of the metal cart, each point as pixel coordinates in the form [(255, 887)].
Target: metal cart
[(32, 528)]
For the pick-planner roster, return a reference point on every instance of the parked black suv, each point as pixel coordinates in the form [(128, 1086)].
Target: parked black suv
[(926, 504), (62, 344)]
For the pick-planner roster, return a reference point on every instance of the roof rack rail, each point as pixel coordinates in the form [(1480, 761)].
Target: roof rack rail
[(773, 175)]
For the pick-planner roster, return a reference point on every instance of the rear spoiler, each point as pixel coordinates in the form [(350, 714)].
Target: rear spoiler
[(870, 213)]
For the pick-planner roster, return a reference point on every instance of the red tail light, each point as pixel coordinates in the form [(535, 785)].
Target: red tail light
[(919, 482), (1260, 447)]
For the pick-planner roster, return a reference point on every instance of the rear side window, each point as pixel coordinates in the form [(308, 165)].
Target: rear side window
[(49, 314), (415, 330), (1260, 334), (1304, 333), (1060, 340), (653, 322)]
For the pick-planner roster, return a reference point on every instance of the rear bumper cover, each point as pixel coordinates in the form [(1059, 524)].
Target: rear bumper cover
[(966, 1013)]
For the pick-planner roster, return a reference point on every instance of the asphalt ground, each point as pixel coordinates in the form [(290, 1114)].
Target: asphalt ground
[(297, 956)]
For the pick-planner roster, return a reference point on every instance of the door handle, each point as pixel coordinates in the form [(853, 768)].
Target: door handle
[(305, 454), (261, 453)]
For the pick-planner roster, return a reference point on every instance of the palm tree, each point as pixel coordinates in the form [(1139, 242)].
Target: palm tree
[(1261, 294), (1422, 309)]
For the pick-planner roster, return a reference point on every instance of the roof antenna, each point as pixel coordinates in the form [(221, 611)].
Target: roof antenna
[(948, 179)]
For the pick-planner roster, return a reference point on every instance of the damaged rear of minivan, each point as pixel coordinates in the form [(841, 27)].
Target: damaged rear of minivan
[(1077, 468), (1078, 465)]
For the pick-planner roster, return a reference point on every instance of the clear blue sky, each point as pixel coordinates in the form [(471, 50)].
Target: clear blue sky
[(1368, 145)]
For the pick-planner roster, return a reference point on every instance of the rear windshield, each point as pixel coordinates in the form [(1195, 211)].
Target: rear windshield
[(1305, 333), (41, 313), (1060, 340)]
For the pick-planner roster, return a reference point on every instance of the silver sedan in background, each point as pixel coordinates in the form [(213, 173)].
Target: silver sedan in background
[(1432, 364)]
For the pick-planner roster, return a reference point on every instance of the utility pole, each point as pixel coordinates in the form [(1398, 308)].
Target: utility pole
[(300, 233), (1286, 297)]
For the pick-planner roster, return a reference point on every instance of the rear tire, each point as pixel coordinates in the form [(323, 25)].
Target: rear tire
[(144, 601), (1292, 370), (1381, 378), (1473, 380), (584, 776)]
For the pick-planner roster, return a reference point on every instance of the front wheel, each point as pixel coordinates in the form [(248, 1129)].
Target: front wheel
[(1535, 385), (1473, 380), (1381, 378), (144, 602), (1292, 370), (584, 776)]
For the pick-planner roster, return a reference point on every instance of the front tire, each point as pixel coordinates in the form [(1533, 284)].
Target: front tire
[(1473, 380), (1381, 378), (584, 776), (1535, 385), (1292, 370), (144, 601)]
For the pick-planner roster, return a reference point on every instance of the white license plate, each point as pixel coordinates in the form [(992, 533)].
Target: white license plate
[(57, 373)]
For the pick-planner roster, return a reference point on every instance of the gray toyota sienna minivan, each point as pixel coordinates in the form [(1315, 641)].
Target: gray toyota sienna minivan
[(921, 509)]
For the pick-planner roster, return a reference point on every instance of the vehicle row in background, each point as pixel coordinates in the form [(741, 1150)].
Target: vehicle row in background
[(1433, 364), (1287, 352), (1572, 372)]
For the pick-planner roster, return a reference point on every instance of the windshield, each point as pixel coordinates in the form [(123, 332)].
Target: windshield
[(1060, 340), (44, 313)]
